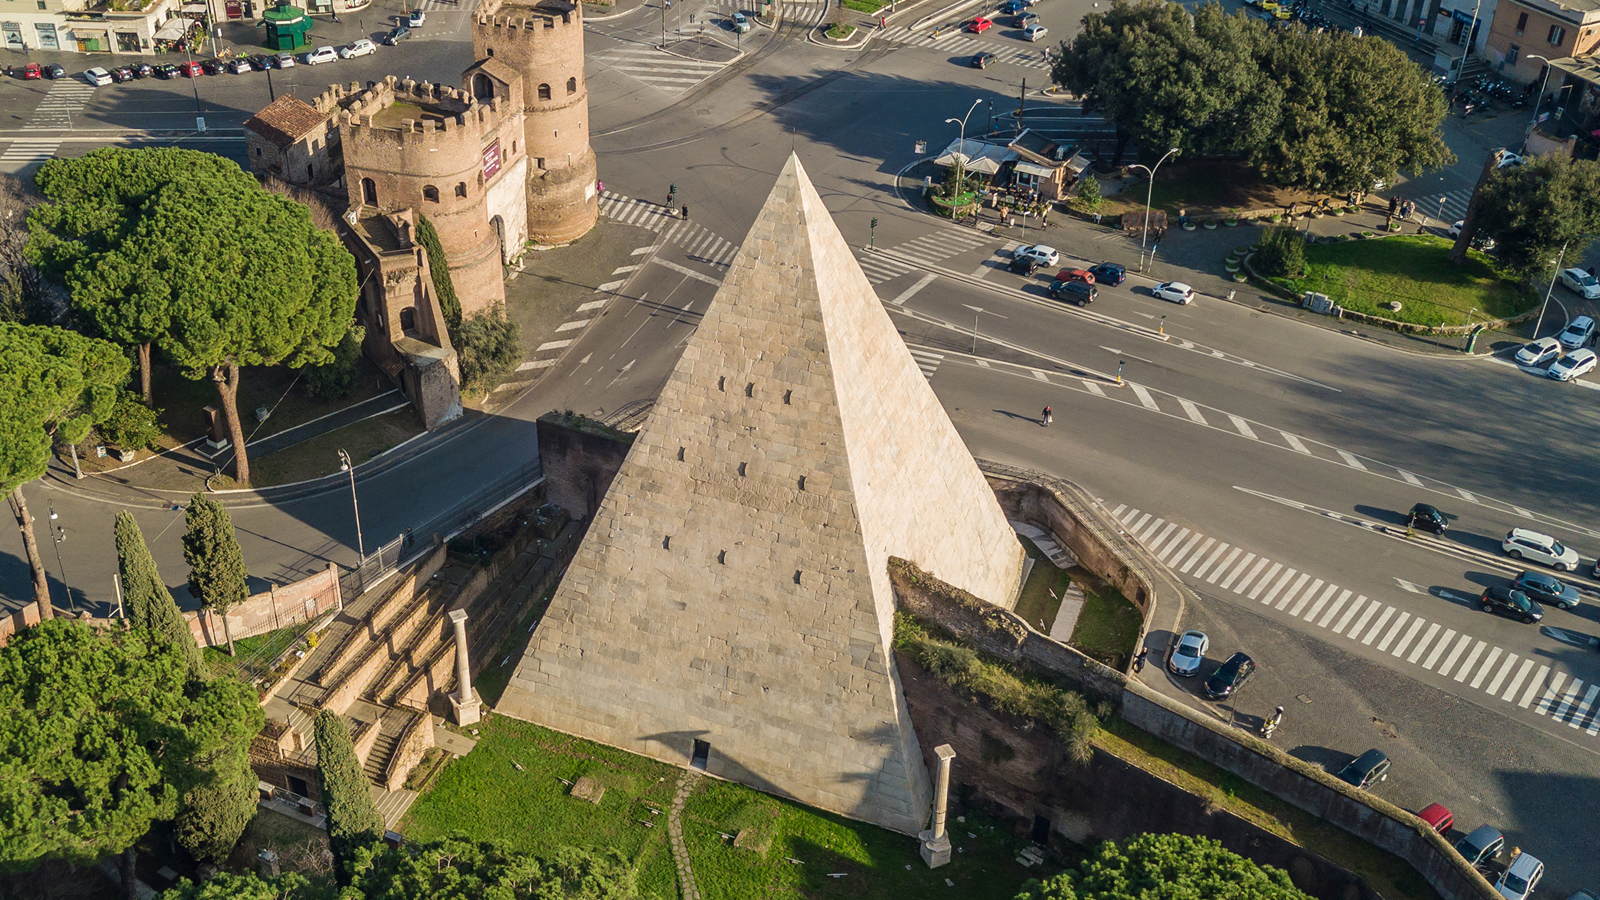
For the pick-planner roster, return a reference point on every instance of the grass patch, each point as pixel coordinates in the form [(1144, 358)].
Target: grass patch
[(1389, 875), (300, 847), (256, 651), (1108, 626), (1363, 276), (1041, 594), (839, 31), (873, 863), (319, 456), (866, 6)]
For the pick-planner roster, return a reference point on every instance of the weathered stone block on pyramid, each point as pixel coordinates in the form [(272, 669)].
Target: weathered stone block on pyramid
[(730, 605)]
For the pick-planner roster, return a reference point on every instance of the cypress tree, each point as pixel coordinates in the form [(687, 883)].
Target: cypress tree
[(217, 574), (146, 600), (443, 287), (353, 820)]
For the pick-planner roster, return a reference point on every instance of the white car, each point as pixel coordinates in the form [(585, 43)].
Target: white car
[(1537, 353), (1478, 243), (1044, 256), (1511, 159), (1176, 291), (285, 60), (416, 18), (741, 22), (321, 55), (1035, 32), (1191, 651), (1521, 877), (358, 48), (1581, 283), (1579, 332), (1574, 365), (97, 77), (1520, 543)]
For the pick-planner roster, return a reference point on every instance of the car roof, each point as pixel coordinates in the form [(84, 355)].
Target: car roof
[(1425, 508), (1575, 357), (1581, 322), (1369, 759), (1537, 577), (1482, 836), (1543, 342), (1433, 813), (1180, 285), (1198, 635), (1529, 535), (1524, 863)]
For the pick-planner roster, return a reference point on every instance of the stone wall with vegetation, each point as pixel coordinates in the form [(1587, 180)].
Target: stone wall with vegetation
[(580, 457)]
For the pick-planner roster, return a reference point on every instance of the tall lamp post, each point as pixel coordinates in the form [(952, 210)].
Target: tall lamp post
[(1553, 276), (345, 466), (1144, 232), (1471, 34), (1543, 83), (961, 154), (58, 533)]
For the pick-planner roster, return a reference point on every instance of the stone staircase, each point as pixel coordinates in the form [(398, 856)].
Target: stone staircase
[(376, 765)]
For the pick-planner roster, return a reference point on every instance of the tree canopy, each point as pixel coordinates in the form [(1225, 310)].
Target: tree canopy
[(1165, 867), (353, 819), (100, 733), (1327, 111), (1532, 210), (217, 574), (147, 603)]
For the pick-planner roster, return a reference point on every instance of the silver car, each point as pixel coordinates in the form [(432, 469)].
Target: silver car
[(1188, 655)]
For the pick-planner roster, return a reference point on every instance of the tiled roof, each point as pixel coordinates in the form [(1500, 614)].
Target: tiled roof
[(285, 121)]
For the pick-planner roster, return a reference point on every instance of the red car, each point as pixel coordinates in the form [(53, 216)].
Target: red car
[(980, 25), (1437, 817), (31, 72), (191, 69), (1083, 275)]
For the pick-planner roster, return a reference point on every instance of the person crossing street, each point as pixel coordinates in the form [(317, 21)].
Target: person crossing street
[(1046, 418)]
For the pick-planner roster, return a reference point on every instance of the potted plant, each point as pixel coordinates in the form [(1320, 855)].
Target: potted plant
[(1209, 224), (1232, 219)]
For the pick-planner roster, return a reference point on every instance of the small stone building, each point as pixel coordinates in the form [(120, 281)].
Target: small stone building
[(295, 141)]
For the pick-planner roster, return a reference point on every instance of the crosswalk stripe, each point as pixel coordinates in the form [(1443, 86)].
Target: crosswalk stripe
[(1265, 580), (1466, 667), (1422, 645), (1295, 589), (1500, 676), (1145, 399), (1227, 583), (1533, 687), (1193, 539), (1294, 443), (1488, 664), (1128, 517), (1221, 549), (1416, 625), (1322, 601), (1219, 570), (1243, 427), (1261, 563), (1411, 479), (1306, 597), (1439, 648), (1522, 673), (1576, 719), (1272, 594), (1366, 616), (1388, 636), (1144, 536), (1094, 388), (1195, 557), (1333, 610), (1351, 461), (1548, 701), (1377, 626), (1192, 411), (1167, 548), (1450, 661)]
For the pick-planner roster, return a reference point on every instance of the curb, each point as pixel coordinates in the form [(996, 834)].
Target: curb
[(627, 12), (818, 36)]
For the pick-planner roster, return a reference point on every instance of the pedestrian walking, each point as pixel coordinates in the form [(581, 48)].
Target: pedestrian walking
[(1138, 661), (600, 187), (1047, 419)]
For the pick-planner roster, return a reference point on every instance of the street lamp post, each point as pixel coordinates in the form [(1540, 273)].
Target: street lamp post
[(976, 312), (961, 154), (1471, 29), (1538, 101), (58, 533), (1553, 276), (1144, 231), (345, 466)]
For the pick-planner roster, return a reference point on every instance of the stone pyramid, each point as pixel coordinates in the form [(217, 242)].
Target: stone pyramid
[(730, 604)]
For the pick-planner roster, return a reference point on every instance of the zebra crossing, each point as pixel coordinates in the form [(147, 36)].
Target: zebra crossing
[(1455, 205), (64, 98), (931, 249), (701, 243), (27, 151), (657, 68), (927, 360), (1031, 56), (1524, 682), (806, 12)]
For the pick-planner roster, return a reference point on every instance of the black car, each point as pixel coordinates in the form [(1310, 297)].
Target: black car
[(166, 71), (1228, 678), (1109, 273), (1023, 265), (1541, 588), (1426, 518), (260, 62), (1074, 291), (143, 70), (1513, 604), (121, 74), (54, 71), (214, 66), (1482, 846), (1366, 770), (396, 35), (981, 60)]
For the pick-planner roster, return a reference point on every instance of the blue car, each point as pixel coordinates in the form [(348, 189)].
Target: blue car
[(1014, 6), (1109, 273)]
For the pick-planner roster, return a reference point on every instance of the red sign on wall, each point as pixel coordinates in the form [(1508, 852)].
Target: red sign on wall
[(491, 159)]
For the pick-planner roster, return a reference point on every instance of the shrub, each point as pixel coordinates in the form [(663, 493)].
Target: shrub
[(1282, 254), (488, 346), (132, 425), (333, 380), (1090, 198)]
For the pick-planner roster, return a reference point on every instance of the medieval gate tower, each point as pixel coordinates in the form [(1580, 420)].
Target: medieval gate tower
[(542, 40)]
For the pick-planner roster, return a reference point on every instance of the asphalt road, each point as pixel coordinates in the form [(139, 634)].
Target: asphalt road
[(1268, 446)]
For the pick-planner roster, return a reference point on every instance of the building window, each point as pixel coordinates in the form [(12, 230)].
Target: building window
[(311, 172), (544, 92), (430, 193), (1522, 23), (1557, 35), (1512, 54), (572, 85), (408, 319), (461, 189), (369, 191)]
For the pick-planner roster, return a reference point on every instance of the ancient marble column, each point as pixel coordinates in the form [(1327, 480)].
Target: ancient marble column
[(935, 841), (464, 703)]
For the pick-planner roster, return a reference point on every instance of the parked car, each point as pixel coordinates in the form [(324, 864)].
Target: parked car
[(121, 74), (1366, 770), (1521, 877), (1511, 603), (1190, 652), (1479, 242), (740, 22), (283, 61), (1035, 32), (1542, 588), (1520, 543), (1023, 265), (1537, 353), (1578, 333), (261, 62), (358, 48), (1437, 817), (143, 70), (1083, 275), (319, 56), (980, 25), (1229, 677), (1576, 364), (32, 72), (1482, 846), (1109, 273), (416, 18), (1581, 283), (1076, 291), (240, 66), (1509, 159), (981, 60), (1013, 6), (54, 71), (166, 71), (396, 35), (97, 77), (1427, 518), (219, 66), (1176, 291), (1047, 256), (191, 69)]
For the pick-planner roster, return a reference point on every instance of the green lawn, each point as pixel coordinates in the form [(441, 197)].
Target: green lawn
[(254, 652), (1363, 276), (866, 6), (1107, 627), (1041, 594), (485, 796)]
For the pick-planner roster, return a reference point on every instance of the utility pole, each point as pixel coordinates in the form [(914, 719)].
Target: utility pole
[(1022, 105)]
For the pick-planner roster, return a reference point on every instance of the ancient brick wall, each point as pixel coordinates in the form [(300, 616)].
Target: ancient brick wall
[(580, 459)]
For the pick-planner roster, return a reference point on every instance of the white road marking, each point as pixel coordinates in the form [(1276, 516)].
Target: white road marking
[(1294, 443), (552, 345), (1333, 610), (1500, 676), (1227, 583), (1450, 661), (910, 292), (1243, 427), (1192, 411), (1197, 554), (1411, 479), (1351, 461), (1410, 586), (1517, 682), (1094, 388), (1377, 626), (1265, 580), (1416, 625), (1389, 636), (1221, 549), (1422, 645), (1483, 671), (610, 286), (572, 326), (1533, 687), (1145, 399)]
